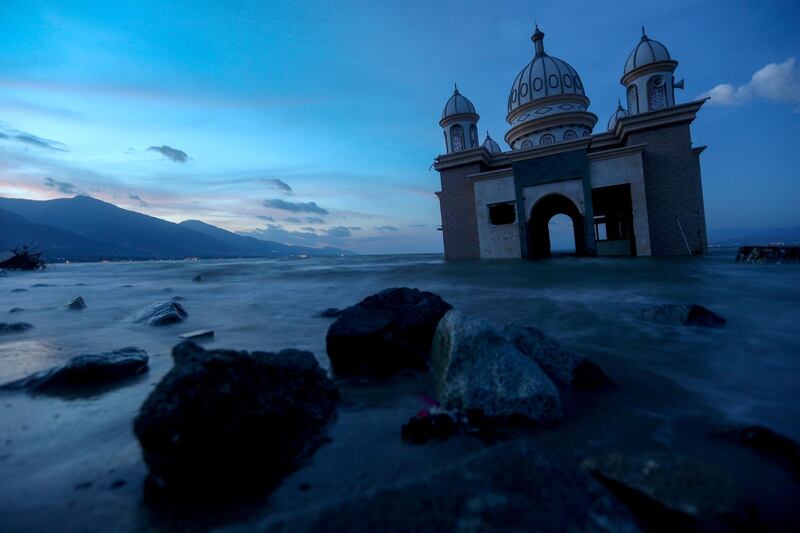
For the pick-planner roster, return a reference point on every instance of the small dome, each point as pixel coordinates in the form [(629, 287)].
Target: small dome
[(618, 114), (543, 76), (491, 145), (646, 52), (457, 104)]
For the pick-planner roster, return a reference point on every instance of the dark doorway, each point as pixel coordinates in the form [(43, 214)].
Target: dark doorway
[(613, 220), (538, 225)]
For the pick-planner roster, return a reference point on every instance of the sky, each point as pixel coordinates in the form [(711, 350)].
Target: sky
[(316, 123)]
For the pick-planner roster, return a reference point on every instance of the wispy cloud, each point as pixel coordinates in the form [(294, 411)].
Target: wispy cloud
[(338, 232), (32, 140), (315, 220), (297, 207), (61, 186), (779, 82), (387, 228), (13, 104), (138, 199), (417, 225), (278, 185), (173, 154), (293, 220)]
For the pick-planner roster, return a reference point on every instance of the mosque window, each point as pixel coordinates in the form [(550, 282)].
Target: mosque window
[(547, 138), (656, 93), (473, 136), (537, 84), (553, 81), (503, 213), (633, 100), (526, 144), (514, 95), (523, 90), (570, 134), (457, 138), (578, 83), (585, 133), (567, 81)]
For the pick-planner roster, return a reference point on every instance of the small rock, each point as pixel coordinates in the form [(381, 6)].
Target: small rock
[(198, 334), (424, 427), (564, 367), (85, 371), (161, 314), (222, 418), (14, 327), (118, 484), (19, 290), (331, 312), (774, 445), (688, 315), (385, 333), (197, 279), (768, 254), (16, 310), (476, 368), (77, 303)]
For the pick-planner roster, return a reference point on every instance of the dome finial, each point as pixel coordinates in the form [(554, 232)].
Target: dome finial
[(644, 35), (455, 89), (619, 104), (538, 40)]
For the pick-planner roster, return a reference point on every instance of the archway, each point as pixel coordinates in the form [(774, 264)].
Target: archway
[(562, 235), (538, 225)]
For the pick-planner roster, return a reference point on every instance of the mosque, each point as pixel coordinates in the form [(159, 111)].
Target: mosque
[(632, 190)]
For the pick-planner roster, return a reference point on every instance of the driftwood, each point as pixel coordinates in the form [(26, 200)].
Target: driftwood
[(23, 259)]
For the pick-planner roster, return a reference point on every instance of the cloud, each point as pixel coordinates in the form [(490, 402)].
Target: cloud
[(173, 154), (267, 218), (13, 104), (62, 186), (297, 207), (338, 232), (309, 229), (779, 82), (32, 140), (137, 198), (279, 185), (293, 220), (386, 228), (314, 220), (354, 228), (417, 225)]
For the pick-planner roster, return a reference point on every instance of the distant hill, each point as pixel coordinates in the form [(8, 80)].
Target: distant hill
[(789, 235), (84, 228)]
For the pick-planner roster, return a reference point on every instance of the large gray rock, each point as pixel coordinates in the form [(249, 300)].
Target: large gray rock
[(385, 333), (161, 314), (224, 419), (83, 372), (476, 369), (686, 314), (14, 327), (564, 367), (508, 487)]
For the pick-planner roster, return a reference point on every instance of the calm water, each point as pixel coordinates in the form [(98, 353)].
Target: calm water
[(748, 371)]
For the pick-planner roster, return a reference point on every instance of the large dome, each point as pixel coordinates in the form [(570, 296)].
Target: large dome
[(647, 51), (543, 76), (457, 104)]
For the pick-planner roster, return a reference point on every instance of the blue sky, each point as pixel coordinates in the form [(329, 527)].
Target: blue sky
[(316, 122)]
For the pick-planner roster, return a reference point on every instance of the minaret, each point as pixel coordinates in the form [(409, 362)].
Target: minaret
[(460, 124)]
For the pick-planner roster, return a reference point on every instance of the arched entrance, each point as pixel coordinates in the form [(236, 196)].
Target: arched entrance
[(539, 232)]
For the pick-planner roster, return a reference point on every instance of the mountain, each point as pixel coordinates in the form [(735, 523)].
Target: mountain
[(789, 235), (87, 228)]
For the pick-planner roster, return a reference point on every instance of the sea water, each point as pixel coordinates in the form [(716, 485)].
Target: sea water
[(59, 458)]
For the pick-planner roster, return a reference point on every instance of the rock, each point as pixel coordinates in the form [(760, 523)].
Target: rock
[(14, 327), (161, 314), (426, 426), (16, 310), (475, 368), (76, 303), (197, 279), (385, 333), (768, 254), (666, 491), (331, 312), (774, 445), (224, 419), (198, 334), (564, 367), (508, 487), (19, 289), (85, 371), (689, 315)]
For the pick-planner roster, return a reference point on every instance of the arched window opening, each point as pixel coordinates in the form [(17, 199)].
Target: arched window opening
[(562, 235), (656, 93), (457, 138), (633, 100), (547, 138), (570, 134), (526, 144), (473, 136)]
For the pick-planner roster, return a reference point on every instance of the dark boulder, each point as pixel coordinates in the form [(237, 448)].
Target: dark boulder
[(426, 426), (85, 372), (564, 367), (385, 333), (686, 314), (197, 279), (331, 312), (76, 303), (768, 254), (16, 310), (14, 327), (161, 314), (781, 449), (509, 487), (223, 419)]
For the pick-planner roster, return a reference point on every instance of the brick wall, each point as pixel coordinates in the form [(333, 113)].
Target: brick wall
[(673, 189), (459, 220)]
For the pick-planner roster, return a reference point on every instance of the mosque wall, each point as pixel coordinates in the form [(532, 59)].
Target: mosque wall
[(497, 241), (459, 220)]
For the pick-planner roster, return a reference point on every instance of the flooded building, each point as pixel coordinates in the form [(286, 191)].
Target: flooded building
[(634, 189)]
